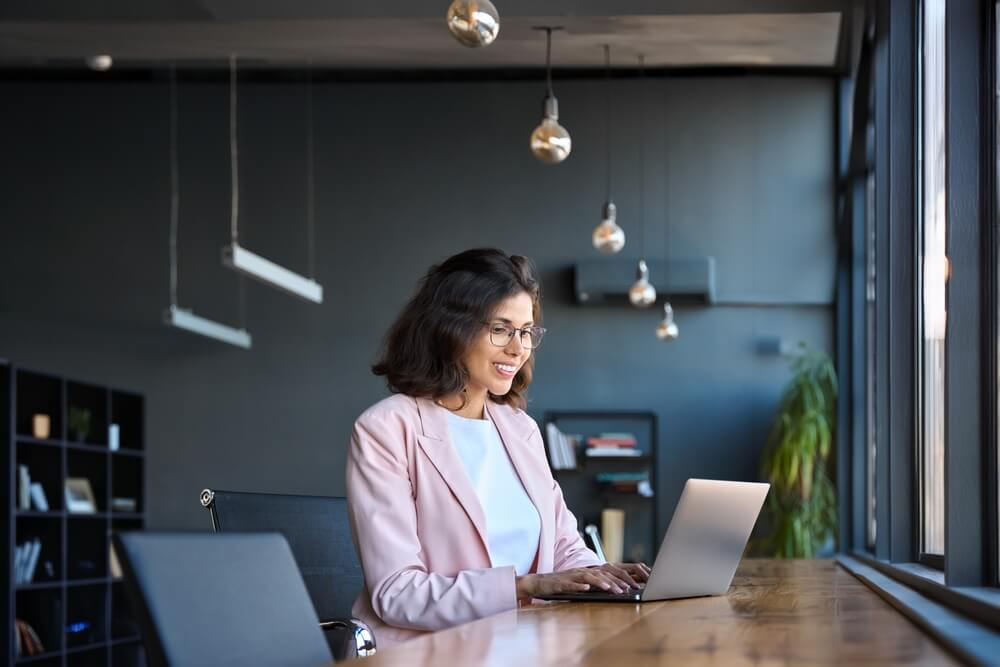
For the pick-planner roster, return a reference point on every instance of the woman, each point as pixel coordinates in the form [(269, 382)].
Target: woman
[(454, 509)]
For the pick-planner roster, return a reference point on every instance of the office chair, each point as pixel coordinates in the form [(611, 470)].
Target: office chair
[(204, 599), (319, 534)]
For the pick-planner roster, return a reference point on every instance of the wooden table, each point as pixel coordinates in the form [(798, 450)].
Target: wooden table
[(776, 613)]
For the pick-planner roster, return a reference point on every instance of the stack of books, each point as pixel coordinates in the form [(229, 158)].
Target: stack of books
[(25, 561), (30, 494), (562, 448), (612, 444), (626, 482)]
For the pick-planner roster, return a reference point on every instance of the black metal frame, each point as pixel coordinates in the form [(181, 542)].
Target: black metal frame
[(972, 395), (555, 415)]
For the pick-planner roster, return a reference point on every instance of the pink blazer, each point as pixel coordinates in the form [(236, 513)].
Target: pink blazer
[(420, 529)]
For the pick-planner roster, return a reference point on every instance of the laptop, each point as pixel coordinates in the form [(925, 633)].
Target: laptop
[(703, 545)]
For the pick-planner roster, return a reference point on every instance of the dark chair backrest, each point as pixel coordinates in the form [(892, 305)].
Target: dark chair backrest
[(204, 599), (318, 532)]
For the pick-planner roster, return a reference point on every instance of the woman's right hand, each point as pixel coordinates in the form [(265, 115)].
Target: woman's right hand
[(568, 581)]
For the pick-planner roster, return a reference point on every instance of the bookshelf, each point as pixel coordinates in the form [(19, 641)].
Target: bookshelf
[(587, 497), (77, 609)]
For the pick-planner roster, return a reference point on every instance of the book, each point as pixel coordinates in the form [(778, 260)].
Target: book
[(38, 498), (35, 548), (23, 488), (562, 447), (611, 451), (613, 532), (611, 442)]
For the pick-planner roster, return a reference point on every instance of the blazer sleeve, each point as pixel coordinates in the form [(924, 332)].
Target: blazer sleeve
[(570, 549), (383, 517)]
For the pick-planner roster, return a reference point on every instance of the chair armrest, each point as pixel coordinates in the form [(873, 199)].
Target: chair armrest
[(360, 640)]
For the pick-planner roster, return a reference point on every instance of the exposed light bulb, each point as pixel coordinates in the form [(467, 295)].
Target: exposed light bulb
[(608, 237), (99, 63), (642, 294), (667, 329), (474, 23), (550, 142)]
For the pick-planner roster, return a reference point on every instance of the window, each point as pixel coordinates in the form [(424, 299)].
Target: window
[(932, 319), (871, 440)]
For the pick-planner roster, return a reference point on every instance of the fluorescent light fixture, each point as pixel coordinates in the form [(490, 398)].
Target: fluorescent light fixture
[(183, 318), (239, 258)]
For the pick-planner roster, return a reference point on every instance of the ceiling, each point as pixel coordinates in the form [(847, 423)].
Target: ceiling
[(412, 36)]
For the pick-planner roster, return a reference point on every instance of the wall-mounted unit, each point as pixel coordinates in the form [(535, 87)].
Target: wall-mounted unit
[(682, 281)]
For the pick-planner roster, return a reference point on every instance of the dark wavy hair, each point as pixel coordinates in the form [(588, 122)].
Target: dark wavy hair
[(423, 349)]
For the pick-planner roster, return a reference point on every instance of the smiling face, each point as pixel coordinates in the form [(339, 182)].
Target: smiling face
[(493, 368)]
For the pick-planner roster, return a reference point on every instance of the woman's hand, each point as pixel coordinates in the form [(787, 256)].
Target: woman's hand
[(630, 573), (607, 577)]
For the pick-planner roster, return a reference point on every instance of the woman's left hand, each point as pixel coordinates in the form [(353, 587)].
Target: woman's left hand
[(630, 574)]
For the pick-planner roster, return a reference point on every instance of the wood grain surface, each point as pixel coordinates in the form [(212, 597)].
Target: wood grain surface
[(775, 613)]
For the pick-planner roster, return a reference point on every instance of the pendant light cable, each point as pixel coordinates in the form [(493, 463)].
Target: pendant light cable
[(234, 170), (174, 195), (310, 177), (548, 60), (234, 207), (642, 160), (607, 116), (666, 173)]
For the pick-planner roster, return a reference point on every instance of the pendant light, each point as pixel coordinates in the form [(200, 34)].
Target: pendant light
[(642, 294), (175, 316), (238, 258), (666, 330), (550, 142), (474, 23), (608, 237)]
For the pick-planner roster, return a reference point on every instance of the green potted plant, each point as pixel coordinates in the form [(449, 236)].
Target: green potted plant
[(79, 423), (802, 502)]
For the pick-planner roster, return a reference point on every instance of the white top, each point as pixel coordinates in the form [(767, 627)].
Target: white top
[(512, 521)]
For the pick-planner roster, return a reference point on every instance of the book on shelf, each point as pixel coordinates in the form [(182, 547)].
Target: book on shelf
[(613, 534), (25, 561), (604, 441), (38, 497), (23, 487), (626, 482), (562, 447), (26, 641), (611, 451)]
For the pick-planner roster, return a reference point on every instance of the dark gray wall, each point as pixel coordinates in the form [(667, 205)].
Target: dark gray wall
[(740, 169)]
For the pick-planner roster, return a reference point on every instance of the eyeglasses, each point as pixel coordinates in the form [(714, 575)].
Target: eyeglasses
[(502, 333)]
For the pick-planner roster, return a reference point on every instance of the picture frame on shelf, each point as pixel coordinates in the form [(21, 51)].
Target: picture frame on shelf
[(79, 496)]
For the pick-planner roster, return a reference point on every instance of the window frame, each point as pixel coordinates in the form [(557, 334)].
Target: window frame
[(972, 370)]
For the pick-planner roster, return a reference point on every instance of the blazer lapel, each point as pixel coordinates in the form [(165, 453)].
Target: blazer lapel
[(436, 444), (515, 437)]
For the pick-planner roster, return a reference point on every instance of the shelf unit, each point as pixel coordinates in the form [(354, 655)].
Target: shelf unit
[(79, 611), (586, 498)]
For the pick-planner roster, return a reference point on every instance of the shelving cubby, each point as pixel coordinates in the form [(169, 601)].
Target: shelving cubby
[(73, 603), (587, 498)]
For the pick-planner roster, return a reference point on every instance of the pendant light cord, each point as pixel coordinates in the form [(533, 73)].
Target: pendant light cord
[(234, 207), (174, 196), (666, 174), (642, 160), (234, 170), (310, 178), (548, 60), (607, 116)]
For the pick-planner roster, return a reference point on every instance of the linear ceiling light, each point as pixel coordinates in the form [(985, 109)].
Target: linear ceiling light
[(175, 316), (259, 268), (182, 318), (239, 258)]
